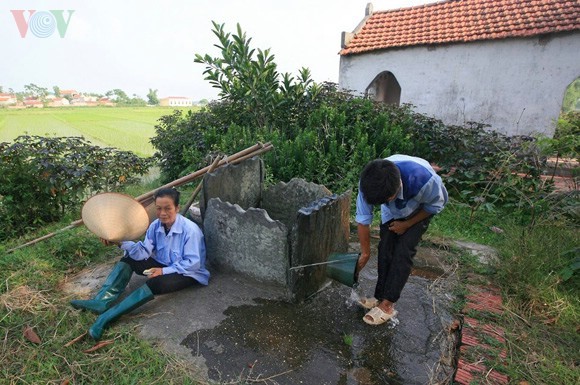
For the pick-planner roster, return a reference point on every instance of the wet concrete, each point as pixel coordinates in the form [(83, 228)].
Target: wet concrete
[(238, 330), (325, 341)]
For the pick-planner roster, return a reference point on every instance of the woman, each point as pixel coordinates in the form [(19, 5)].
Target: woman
[(172, 255)]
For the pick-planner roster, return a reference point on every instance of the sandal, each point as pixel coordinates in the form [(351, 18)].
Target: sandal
[(378, 316), (368, 303)]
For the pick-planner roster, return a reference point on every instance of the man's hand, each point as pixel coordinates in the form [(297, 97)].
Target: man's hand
[(362, 261), (364, 237), (399, 227)]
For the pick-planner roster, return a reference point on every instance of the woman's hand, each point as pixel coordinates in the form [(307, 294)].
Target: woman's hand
[(109, 243), (153, 272)]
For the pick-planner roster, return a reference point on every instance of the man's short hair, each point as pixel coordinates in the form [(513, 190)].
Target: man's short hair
[(379, 181)]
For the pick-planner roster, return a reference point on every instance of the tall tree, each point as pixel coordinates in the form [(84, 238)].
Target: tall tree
[(36, 91), (152, 98), (56, 90)]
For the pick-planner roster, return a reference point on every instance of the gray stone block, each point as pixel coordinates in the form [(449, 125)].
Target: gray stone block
[(246, 241), (239, 184), (320, 229), (283, 200)]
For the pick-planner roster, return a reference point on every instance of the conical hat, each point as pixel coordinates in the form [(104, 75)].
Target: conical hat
[(115, 217)]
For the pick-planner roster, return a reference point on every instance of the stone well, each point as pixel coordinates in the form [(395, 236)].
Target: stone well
[(263, 232)]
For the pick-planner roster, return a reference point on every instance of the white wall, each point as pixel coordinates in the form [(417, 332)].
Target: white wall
[(514, 85)]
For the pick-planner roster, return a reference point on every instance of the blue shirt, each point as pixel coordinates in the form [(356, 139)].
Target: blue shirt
[(421, 188), (182, 250)]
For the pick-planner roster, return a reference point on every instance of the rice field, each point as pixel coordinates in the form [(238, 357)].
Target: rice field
[(126, 128)]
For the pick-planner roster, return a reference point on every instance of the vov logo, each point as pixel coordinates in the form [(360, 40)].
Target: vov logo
[(42, 23)]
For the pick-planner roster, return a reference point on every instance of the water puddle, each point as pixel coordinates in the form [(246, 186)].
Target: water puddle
[(322, 341)]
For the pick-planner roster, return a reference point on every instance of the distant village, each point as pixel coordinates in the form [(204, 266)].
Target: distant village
[(37, 97)]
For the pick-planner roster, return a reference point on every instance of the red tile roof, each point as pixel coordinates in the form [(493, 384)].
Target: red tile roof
[(453, 21)]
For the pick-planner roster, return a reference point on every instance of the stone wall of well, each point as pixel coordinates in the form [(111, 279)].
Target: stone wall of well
[(265, 232)]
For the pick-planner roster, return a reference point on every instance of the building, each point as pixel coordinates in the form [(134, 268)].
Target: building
[(506, 63), (176, 101), (69, 93), (33, 102), (7, 99), (57, 102)]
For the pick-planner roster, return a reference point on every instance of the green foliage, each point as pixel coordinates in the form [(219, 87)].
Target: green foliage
[(152, 98), (31, 295), (249, 81), (571, 100), (122, 99), (482, 168), (572, 266), (180, 143), (327, 136), (35, 91), (41, 178), (566, 141)]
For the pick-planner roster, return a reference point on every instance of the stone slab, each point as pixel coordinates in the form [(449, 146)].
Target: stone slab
[(320, 229), (239, 184), (283, 200), (246, 241)]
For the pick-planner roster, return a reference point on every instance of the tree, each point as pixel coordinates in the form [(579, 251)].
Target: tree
[(152, 98), (1, 89), (36, 91), (56, 90), (248, 78), (119, 95)]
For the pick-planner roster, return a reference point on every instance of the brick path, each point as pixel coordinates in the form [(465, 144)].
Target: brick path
[(480, 338)]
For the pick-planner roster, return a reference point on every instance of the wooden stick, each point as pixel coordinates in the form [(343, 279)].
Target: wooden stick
[(72, 225), (198, 173), (147, 198)]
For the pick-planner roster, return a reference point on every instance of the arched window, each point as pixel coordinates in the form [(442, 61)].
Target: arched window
[(385, 88), (571, 100)]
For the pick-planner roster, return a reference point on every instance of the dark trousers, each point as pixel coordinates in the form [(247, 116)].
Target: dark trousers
[(161, 284), (396, 253)]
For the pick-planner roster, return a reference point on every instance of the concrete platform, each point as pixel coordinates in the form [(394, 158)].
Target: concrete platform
[(238, 327)]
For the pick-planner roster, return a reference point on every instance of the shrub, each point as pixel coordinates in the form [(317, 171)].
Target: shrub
[(41, 178), (326, 135)]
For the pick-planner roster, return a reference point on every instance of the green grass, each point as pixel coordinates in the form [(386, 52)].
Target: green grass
[(127, 128), (541, 309), (31, 296)]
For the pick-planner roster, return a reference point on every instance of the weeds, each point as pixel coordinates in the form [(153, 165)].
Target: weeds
[(30, 297)]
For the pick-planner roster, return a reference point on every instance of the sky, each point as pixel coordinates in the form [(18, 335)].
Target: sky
[(140, 45)]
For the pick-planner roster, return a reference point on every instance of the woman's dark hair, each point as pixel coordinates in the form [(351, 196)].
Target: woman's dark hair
[(380, 180), (168, 192)]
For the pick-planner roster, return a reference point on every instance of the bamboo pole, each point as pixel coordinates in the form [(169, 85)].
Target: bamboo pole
[(147, 198), (188, 178)]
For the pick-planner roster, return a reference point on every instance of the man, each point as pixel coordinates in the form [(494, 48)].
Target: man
[(410, 193)]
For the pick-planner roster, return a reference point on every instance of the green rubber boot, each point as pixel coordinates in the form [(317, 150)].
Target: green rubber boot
[(113, 287), (137, 298)]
